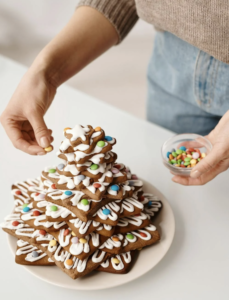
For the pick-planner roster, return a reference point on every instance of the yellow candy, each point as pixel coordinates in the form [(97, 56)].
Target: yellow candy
[(115, 261), (69, 262), (73, 234), (66, 128), (203, 155), (49, 149), (83, 241), (193, 161), (189, 155), (52, 243), (98, 129), (177, 165)]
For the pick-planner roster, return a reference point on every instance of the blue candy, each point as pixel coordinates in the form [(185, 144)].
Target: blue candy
[(150, 203), (35, 254), (106, 211), (108, 138), (81, 177), (183, 148), (68, 193), (115, 188), (60, 166), (26, 209), (168, 153)]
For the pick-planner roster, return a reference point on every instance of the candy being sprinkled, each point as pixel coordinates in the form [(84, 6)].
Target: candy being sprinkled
[(115, 187), (42, 232), (69, 262), (75, 240), (96, 185), (115, 261), (26, 209), (83, 241), (130, 236), (115, 239), (98, 128), (81, 177), (66, 232), (35, 254), (60, 166), (24, 205), (143, 234), (94, 167), (108, 138), (53, 208), (18, 192), (36, 213), (106, 211), (15, 223), (48, 149), (114, 171), (52, 243), (101, 144), (84, 202), (52, 170), (53, 186), (68, 193)]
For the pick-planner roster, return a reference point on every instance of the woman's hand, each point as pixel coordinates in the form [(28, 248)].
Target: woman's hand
[(216, 162), (23, 117)]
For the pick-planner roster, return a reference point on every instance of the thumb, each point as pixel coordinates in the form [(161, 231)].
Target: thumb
[(206, 164), (41, 132)]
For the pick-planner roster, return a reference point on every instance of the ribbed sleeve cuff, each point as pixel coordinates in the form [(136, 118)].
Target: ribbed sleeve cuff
[(121, 13)]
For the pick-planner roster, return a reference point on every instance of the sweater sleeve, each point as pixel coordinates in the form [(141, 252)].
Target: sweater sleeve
[(121, 13)]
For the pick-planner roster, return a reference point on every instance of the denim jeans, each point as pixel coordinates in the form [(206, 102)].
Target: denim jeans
[(188, 90)]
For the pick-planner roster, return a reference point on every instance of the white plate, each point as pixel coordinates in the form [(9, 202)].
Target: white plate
[(147, 259)]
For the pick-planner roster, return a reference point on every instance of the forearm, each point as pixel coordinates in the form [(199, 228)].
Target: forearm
[(87, 35)]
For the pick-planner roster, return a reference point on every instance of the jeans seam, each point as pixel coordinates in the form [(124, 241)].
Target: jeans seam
[(196, 79)]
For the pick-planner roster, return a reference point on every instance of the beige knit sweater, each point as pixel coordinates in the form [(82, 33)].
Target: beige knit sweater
[(202, 23)]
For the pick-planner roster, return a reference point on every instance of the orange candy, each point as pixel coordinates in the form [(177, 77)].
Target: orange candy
[(115, 239), (69, 262), (66, 128), (98, 129)]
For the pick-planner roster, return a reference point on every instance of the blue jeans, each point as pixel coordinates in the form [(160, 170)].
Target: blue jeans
[(188, 90)]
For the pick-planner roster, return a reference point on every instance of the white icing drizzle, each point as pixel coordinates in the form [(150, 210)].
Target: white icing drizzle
[(78, 132), (114, 209), (134, 220), (97, 259), (10, 219), (60, 195), (60, 212), (83, 226), (40, 237), (110, 244), (129, 204)]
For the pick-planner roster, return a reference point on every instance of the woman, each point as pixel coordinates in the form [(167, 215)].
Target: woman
[(187, 75)]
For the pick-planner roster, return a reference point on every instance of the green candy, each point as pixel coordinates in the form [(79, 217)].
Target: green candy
[(52, 170), (53, 208), (179, 161), (84, 202), (170, 162), (101, 144), (187, 163), (187, 159), (130, 236), (174, 154), (179, 151), (198, 159), (94, 167), (173, 161), (184, 152), (24, 205)]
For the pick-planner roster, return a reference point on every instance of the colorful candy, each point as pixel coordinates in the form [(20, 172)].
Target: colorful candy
[(115, 261), (69, 262), (130, 236), (94, 167), (26, 209), (106, 211), (143, 234), (60, 166), (184, 158), (84, 202), (49, 148), (75, 240), (83, 241), (108, 138), (53, 186), (24, 205), (15, 223), (68, 193), (36, 213), (66, 232), (115, 239), (66, 128), (52, 170), (115, 187), (18, 192), (96, 185), (101, 144), (53, 208), (35, 254), (98, 128), (42, 232), (52, 243)]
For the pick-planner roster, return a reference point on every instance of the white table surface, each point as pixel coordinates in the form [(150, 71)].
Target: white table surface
[(196, 266)]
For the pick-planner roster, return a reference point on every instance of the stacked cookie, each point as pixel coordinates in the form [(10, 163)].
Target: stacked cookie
[(87, 213)]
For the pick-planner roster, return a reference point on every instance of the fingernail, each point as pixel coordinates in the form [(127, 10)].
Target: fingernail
[(44, 142), (41, 153), (195, 174)]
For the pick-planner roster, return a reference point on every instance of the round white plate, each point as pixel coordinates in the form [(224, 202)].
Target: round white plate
[(147, 259)]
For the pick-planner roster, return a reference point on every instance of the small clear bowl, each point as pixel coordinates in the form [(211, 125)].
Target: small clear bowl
[(198, 141)]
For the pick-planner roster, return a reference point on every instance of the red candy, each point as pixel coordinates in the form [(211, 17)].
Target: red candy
[(42, 232), (142, 198), (53, 186), (96, 185), (117, 166), (37, 194), (18, 192), (66, 232), (138, 215), (143, 234), (36, 213), (15, 223)]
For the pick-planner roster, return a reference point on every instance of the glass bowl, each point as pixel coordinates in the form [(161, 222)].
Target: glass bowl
[(189, 140)]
